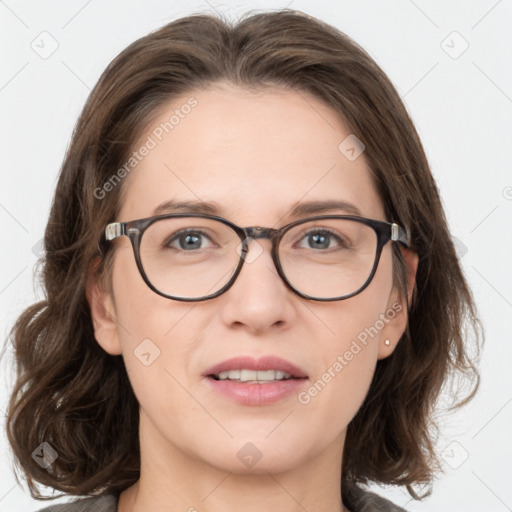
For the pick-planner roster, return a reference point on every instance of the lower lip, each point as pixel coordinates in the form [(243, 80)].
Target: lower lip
[(257, 394)]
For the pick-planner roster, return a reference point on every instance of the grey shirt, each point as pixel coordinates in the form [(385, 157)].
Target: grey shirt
[(358, 500)]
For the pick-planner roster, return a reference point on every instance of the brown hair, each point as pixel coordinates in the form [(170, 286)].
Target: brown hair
[(76, 397)]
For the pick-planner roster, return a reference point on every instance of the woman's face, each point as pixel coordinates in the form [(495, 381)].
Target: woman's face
[(255, 155)]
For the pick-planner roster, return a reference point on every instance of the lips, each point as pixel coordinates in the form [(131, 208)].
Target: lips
[(265, 363), (247, 381)]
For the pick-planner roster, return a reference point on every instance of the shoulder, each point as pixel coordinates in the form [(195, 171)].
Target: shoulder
[(360, 500), (106, 503), (356, 498)]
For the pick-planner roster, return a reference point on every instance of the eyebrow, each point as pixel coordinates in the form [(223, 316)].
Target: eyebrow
[(300, 209)]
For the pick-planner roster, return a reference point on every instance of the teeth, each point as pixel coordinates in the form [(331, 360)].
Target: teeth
[(253, 375)]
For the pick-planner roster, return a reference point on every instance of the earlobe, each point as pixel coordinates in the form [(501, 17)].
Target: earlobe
[(396, 314), (103, 317), (395, 319)]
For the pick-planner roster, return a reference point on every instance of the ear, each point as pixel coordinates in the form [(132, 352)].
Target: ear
[(101, 305), (396, 315)]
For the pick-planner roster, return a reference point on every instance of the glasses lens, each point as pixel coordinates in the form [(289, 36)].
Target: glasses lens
[(189, 257), (328, 258)]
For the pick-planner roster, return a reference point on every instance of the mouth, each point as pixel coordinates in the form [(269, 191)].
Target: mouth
[(251, 382)]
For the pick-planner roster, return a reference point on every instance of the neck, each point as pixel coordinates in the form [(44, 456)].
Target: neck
[(171, 479)]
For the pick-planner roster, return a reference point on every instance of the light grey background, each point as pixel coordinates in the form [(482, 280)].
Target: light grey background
[(461, 102)]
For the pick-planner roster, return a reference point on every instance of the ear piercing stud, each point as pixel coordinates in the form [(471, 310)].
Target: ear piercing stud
[(387, 343)]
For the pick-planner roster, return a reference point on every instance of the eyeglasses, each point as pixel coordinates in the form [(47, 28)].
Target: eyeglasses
[(195, 257)]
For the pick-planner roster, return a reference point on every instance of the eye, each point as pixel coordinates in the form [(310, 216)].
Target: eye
[(187, 240), (322, 239)]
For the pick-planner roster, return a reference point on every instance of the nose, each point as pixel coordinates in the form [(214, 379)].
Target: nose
[(259, 299)]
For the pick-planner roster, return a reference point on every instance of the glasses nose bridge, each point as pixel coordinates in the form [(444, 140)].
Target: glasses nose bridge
[(258, 232)]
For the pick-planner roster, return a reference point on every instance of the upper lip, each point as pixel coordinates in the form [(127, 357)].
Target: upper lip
[(262, 363)]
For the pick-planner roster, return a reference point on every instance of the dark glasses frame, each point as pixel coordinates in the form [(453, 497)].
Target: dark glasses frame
[(134, 230)]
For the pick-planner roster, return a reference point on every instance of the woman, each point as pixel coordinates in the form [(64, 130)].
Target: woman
[(252, 297)]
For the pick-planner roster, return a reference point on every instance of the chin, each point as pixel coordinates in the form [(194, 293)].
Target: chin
[(258, 456), (263, 466)]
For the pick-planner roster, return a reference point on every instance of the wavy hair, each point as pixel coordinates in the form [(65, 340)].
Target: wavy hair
[(73, 395)]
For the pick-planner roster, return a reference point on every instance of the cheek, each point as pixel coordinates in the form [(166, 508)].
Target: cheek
[(340, 385), (357, 320), (350, 354), (156, 334), (141, 313)]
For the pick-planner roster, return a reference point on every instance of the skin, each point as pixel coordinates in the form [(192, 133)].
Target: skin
[(256, 154)]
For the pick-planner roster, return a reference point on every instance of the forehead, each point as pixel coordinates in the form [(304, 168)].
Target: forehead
[(253, 154)]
